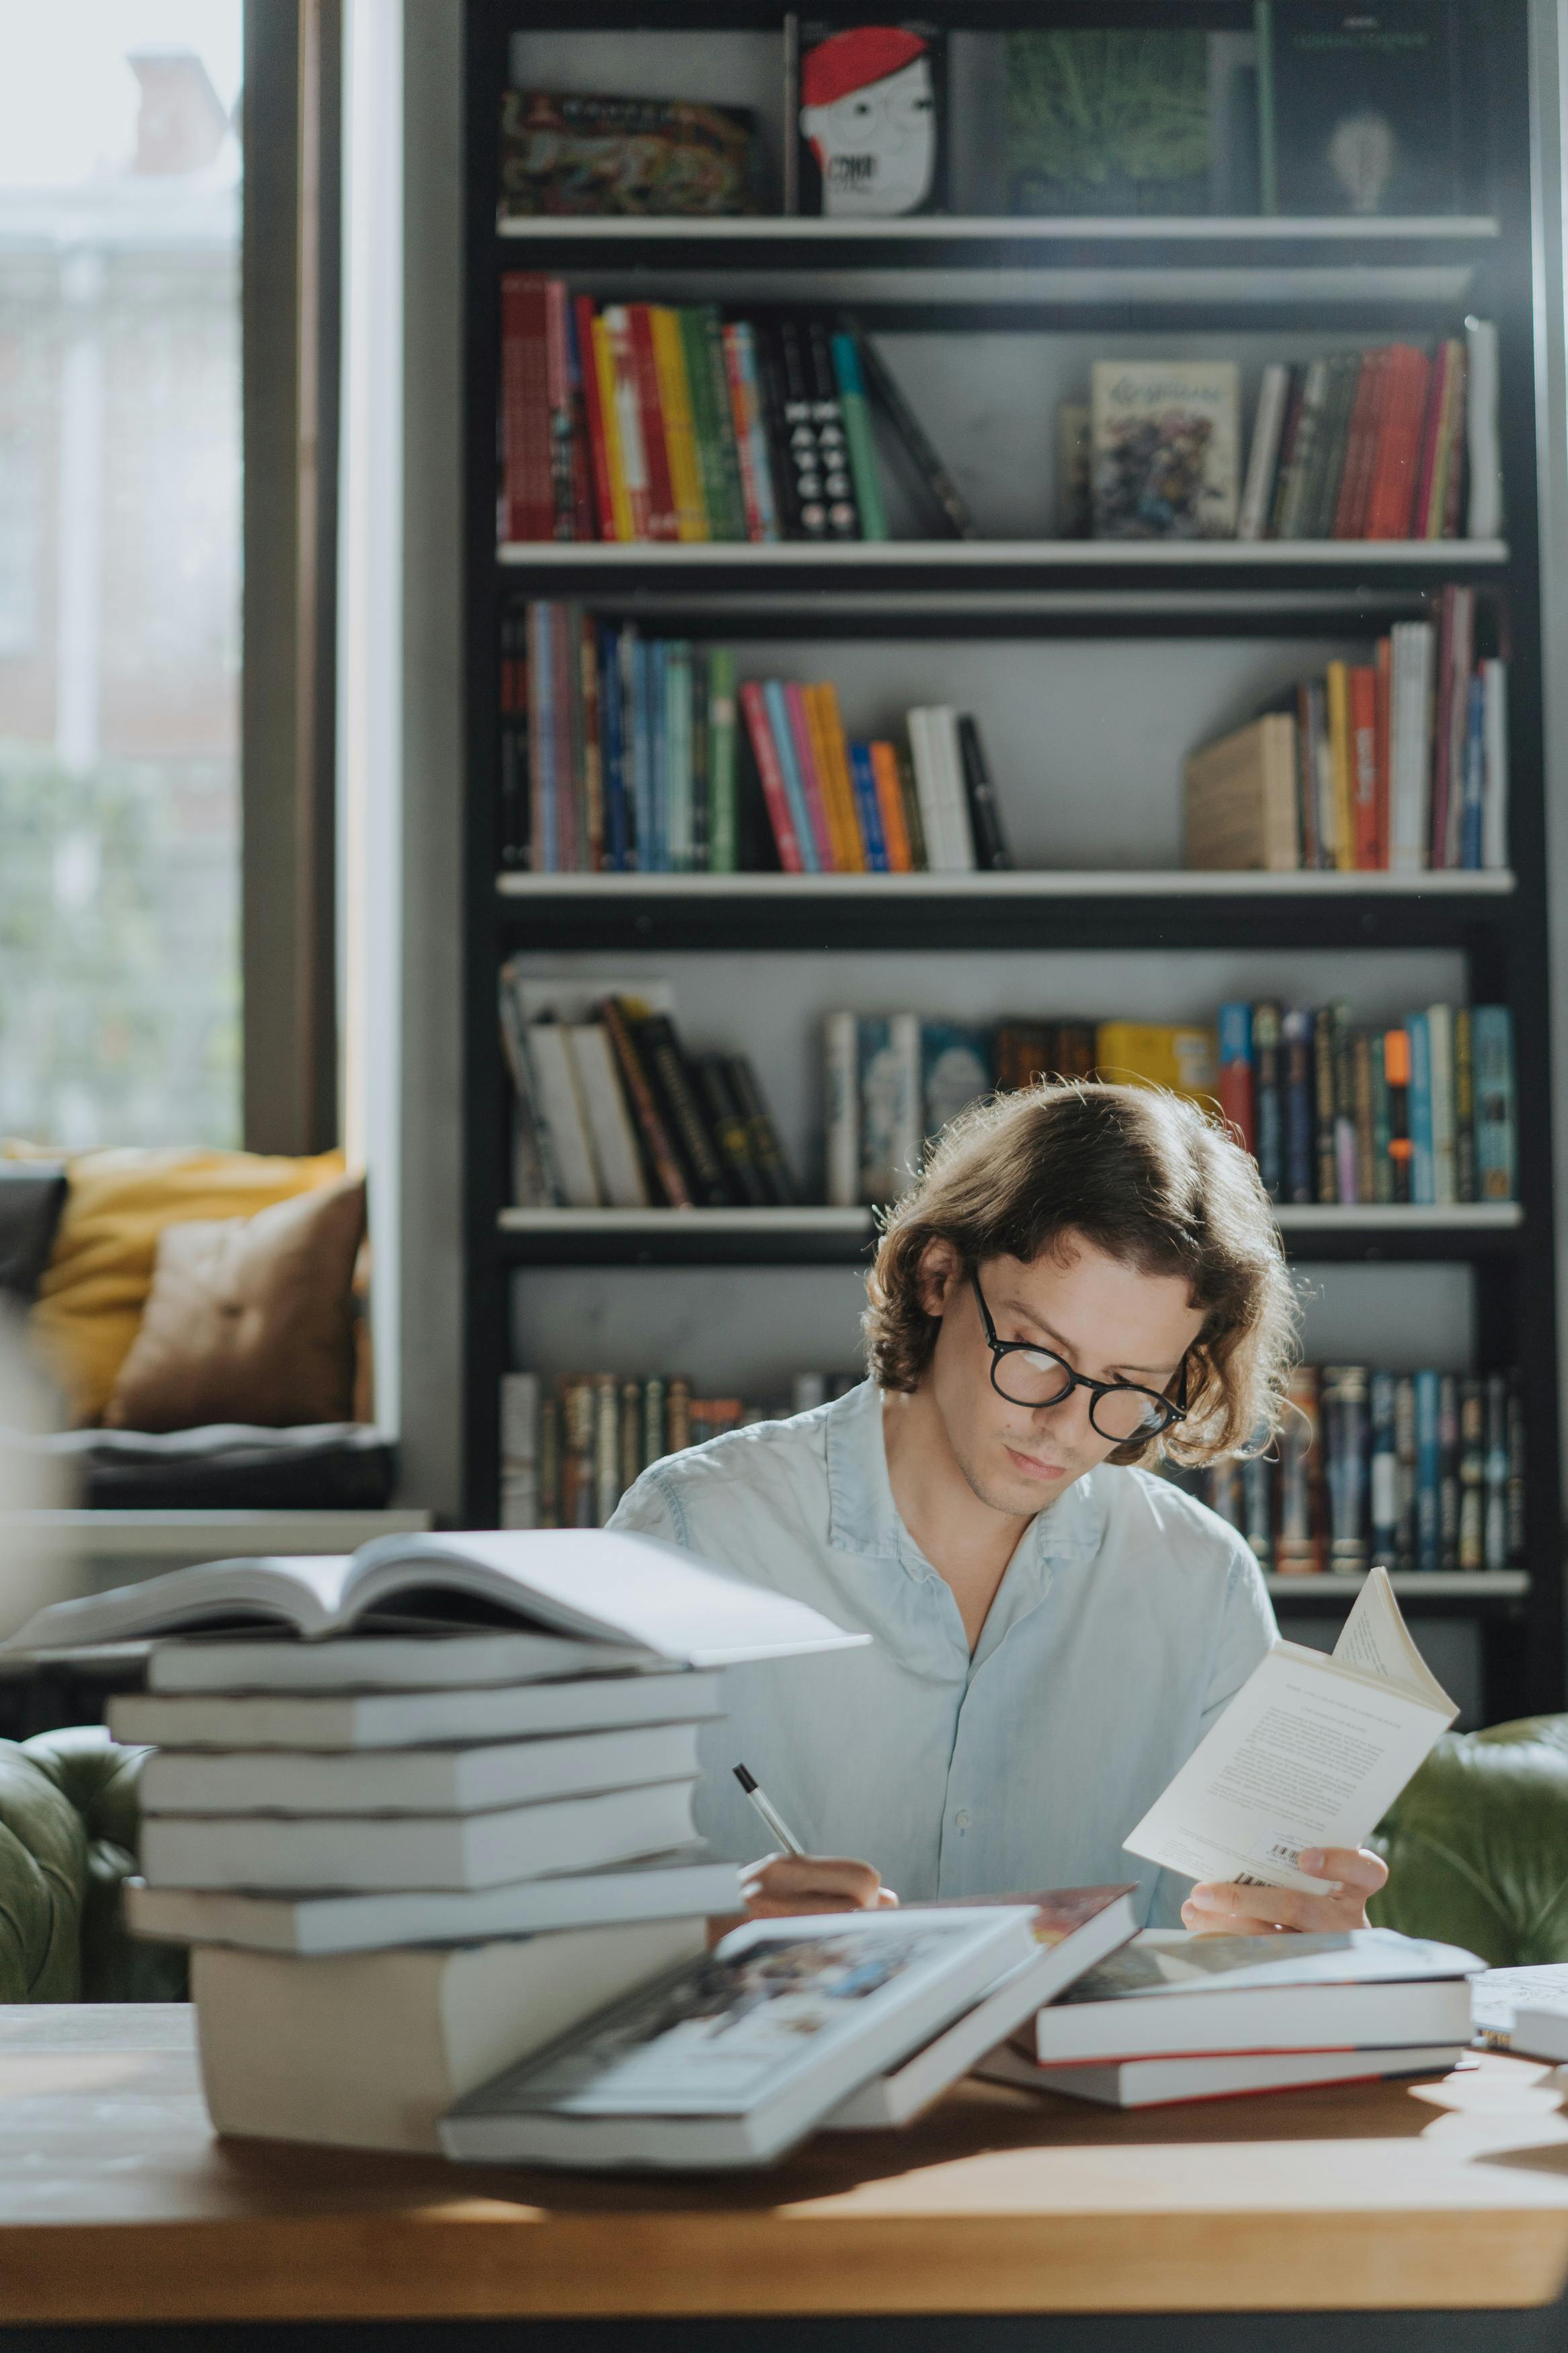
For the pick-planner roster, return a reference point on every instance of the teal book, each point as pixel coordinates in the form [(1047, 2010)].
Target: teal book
[(857, 411), (1496, 1172), (1428, 1474), (1423, 1166), (795, 789), (722, 805)]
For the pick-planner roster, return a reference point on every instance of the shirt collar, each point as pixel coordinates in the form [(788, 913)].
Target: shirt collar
[(864, 1518)]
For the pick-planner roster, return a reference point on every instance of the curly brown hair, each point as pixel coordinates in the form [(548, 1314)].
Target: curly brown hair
[(1143, 1176)]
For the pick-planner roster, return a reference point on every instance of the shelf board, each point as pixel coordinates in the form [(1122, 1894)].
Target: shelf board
[(852, 912), (1280, 236), (815, 1236), (660, 561), (1337, 1592)]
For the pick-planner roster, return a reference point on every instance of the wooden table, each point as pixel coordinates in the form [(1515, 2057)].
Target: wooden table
[(1449, 2198)]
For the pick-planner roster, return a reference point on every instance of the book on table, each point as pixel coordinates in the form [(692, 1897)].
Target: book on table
[(1212, 2075), (689, 1884), (730, 2059), (1170, 1994), (585, 1583)]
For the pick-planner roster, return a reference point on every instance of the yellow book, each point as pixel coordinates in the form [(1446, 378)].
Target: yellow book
[(1180, 1056), (832, 769), (1343, 764), (604, 369), (679, 435)]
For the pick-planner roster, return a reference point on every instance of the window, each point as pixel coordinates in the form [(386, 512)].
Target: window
[(120, 570)]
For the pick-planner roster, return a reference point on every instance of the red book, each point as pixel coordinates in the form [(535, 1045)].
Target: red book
[(774, 794), (528, 495), (660, 490), (1236, 1100), (1364, 767), (1432, 436), (1361, 449), (1385, 678), (1393, 494), (598, 446), (558, 390)]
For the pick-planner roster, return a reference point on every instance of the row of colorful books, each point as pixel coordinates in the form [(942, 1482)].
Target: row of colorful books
[(1419, 1470), (1399, 763), (619, 752), (610, 1111), (648, 422), (1368, 444), (569, 1448), (1422, 1111)]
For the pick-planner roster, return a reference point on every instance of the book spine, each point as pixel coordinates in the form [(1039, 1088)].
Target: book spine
[(1465, 1183), (666, 1167), (1267, 1099), (1297, 1519), (627, 401), (844, 517), (675, 410), (890, 807), (756, 487), (606, 1447), (655, 1445), (1494, 1513), (608, 453), (677, 766), (810, 783), (527, 508), (723, 424), (775, 793), (1472, 1549), (1483, 430), (1363, 717), (868, 809), (585, 518), (1428, 1474), (590, 747), (1473, 819), (1366, 1122), (677, 1415), (1344, 1103), (1346, 1448), (1401, 1146), (1296, 1034), (1381, 1128), (590, 366), (763, 1137), (781, 721), (1454, 484), (890, 1088), (1288, 440), (1495, 1175), (1440, 1079), (1307, 779), (724, 811), (826, 728), (701, 750), (724, 1117), (1349, 506), (652, 424), (1454, 729), (990, 852), (542, 739), (1437, 797), (1337, 684), (942, 491), (1263, 458), (841, 1109), (1410, 752), (1382, 1474), (1235, 1095), (568, 711), (1439, 391), (1494, 813), (1449, 1487), (613, 750), (666, 1066), (1422, 1186), (857, 416), (1392, 493), (558, 383), (1382, 692), (1325, 1160)]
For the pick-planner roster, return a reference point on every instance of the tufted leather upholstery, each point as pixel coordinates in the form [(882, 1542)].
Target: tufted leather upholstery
[(1476, 1847), (68, 1824)]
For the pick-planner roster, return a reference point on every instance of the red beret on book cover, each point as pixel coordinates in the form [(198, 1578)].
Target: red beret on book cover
[(852, 60)]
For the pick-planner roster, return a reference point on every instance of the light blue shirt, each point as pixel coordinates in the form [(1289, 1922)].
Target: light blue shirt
[(1129, 1615)]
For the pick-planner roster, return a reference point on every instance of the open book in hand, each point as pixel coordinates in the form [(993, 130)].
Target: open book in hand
[(1312, 1751), (596, 1585)]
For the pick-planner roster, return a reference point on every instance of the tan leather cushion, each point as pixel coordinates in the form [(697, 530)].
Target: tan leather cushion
[(248, 1319)]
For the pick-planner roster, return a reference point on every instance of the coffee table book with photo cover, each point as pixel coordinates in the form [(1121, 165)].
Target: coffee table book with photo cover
[(730, 2059), (1164, 449), (563, 154)]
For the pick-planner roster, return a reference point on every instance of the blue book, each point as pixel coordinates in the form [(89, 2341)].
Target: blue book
[(955, 1070), (1492, 1044), (867, 811), (1428, 1474), (1296, 1029), (545, 812), (784, 745), (642, 752), (613, 751), (1268, 1102), (1423, 1166), (1475, 777)]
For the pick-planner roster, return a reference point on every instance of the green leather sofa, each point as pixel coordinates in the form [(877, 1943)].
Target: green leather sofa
[(1477, 1850)]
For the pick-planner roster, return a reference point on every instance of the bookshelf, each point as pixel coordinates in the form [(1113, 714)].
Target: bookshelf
[(1185, 634)]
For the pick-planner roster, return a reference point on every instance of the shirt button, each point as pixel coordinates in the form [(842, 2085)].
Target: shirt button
[(961, 1819)]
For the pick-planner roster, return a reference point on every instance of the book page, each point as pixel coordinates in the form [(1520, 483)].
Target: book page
[(305, 1592), (1306, 1755), (1375, 1641)]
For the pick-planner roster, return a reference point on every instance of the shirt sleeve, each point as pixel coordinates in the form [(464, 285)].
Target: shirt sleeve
[(647, 1509), (1248, 1632)]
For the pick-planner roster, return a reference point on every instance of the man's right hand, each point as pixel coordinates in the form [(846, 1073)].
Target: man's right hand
[(784, 1883)]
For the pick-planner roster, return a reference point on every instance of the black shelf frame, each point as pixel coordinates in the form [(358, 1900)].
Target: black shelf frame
[(1037, 589)]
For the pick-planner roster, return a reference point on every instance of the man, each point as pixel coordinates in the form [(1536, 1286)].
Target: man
[(1082, 1277)]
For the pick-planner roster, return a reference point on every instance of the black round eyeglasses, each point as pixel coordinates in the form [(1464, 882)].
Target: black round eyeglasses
[(1027, 1375)]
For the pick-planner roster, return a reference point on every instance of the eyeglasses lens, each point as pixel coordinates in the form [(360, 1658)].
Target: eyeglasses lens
[(1031, 1376)]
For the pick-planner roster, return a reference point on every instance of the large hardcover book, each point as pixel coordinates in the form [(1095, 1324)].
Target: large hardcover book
[(1164, 449), (1107, 120), (1361, 107), (872, 119), (564, 155)]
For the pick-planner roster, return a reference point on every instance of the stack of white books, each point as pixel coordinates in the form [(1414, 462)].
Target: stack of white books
[(421, 1810), (1176, 2017)]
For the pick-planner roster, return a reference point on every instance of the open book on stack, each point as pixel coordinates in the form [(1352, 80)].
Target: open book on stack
[(443, 1741)]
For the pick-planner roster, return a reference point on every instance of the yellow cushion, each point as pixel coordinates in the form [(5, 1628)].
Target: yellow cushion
[(90, 1299)]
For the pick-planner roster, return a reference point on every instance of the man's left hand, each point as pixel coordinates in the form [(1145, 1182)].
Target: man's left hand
[(1220, 1908)]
